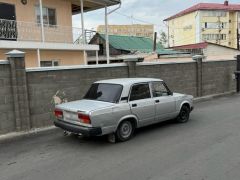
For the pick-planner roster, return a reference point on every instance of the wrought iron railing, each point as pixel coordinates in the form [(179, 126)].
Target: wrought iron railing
[(28, 31)]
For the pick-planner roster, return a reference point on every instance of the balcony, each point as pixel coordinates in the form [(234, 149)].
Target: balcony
[(29, 31)]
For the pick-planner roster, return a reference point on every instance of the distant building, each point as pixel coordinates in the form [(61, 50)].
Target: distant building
[(211, 22), (122, 47), (129, 30), (209, 50)]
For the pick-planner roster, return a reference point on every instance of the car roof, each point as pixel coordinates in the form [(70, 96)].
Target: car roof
[(128, 81)]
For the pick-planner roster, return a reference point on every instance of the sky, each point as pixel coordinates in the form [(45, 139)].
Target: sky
[(149, 11)]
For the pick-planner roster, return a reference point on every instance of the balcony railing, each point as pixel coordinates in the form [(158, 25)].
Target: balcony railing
[(28, 31)]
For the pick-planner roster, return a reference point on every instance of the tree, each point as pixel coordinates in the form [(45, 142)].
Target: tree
[(163, 39)]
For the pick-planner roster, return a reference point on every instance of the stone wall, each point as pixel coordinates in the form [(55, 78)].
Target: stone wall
[(70, 84), (34, 89)]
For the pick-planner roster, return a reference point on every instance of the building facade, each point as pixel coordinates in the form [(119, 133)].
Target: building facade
[(140, 30), (205, 22), (43, 29)]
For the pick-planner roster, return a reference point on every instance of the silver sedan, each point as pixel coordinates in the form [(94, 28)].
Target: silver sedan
[(118, 106)]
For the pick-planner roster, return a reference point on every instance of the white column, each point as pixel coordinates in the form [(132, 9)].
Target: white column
[(96, 57), (41, 19), (107, 37), (39, 57), (82, 22), (85, 57)]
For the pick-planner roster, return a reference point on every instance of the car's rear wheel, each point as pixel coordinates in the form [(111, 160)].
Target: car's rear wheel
[(125, 131), (184, 115)]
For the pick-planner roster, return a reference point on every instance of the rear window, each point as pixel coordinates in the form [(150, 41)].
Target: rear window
[(104, 92)]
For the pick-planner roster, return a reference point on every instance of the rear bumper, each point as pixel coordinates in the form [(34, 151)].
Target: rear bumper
[(86, 131)]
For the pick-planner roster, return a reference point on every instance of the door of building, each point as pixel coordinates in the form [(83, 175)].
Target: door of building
[(8, 25)]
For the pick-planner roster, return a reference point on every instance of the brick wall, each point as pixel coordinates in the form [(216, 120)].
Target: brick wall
[(72, 83), (7, 118)]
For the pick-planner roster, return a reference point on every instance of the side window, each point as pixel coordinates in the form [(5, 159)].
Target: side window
[(159, 89), (140, 91)]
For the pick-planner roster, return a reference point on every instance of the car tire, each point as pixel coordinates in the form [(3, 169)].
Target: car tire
[(184, 115), (125, 131)]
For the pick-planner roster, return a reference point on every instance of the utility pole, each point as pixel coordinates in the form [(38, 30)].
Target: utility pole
[(238, 38), (155, 42)]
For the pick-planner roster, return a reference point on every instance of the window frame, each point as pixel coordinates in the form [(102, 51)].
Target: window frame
[(37, 7), (130, 91), (53, 61)]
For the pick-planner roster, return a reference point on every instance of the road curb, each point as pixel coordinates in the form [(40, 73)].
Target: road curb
[(25, 133), (39, 130), (214, 96)]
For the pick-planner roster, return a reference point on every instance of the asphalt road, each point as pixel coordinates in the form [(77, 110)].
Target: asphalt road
[(206, 148)]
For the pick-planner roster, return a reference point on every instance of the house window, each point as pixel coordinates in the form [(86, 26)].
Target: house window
[(49, 16), (211, 37), (215, 25), (49, 63)]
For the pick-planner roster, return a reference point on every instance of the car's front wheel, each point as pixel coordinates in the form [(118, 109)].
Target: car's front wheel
[(125, 131), (184, 114)]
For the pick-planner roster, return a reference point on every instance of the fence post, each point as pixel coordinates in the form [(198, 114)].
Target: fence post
[(198, 59), (237, 73), (131, 63), (19, 88)]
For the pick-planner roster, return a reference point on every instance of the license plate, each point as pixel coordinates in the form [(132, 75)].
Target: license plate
[(69, 115)]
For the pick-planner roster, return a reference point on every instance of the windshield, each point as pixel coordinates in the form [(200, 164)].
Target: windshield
[(104, 92)]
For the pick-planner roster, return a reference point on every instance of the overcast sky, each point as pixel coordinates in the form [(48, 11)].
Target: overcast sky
[(152, 11)]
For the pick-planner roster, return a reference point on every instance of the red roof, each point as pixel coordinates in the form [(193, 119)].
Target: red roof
[(206, 6), (192, 46)]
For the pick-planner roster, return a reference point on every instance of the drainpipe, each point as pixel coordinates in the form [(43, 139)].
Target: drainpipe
[(41, 20), (106, 30)]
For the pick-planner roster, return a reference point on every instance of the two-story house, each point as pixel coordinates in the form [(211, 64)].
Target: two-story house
[(211, 22), (43, 29)]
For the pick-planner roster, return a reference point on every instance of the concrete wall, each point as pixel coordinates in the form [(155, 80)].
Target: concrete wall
[(215, 52), (71, 83), (7, 118)]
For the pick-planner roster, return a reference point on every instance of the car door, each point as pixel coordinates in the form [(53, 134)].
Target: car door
[(141, 103), (165, 103)]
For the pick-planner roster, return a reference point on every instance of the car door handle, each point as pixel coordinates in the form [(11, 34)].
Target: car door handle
[(157, 101), (134, 105)]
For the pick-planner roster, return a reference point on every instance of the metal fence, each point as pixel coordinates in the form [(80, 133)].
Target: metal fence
[(30, 31)]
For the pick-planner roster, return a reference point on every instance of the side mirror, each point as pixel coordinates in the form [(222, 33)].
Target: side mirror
[(170, 93)]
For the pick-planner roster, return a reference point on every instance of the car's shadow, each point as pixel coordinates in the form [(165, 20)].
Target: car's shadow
[(140, 132)]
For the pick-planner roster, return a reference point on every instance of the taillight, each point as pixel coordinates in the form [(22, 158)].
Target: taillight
[(58, 113), (84, 118)]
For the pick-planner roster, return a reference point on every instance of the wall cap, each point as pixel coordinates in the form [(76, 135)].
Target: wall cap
[(4, 62), (196, 57), (131, 60), (15, 54), (59, 68)]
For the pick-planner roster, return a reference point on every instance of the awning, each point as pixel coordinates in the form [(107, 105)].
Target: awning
[(90, 5)]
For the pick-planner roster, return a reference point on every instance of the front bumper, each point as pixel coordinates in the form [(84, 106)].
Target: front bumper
[(86, 131)]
